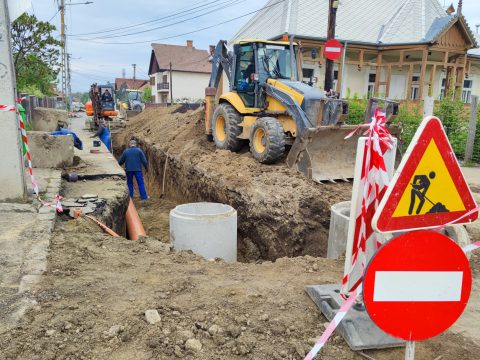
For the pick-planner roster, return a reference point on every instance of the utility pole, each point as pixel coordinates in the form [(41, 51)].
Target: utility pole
[(11, 161), (63, 39), (171, 85), (134, 74), (332, 16), (69, 83)]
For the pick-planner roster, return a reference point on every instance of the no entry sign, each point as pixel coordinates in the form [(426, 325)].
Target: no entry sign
[(332, 49), (417, 285)]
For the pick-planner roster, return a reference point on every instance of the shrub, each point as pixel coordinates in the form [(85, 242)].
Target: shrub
[(454, 116)]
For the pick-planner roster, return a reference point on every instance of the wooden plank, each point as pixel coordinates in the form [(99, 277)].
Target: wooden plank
[(409, 82), (422, 73), (387, 83), (402, 57), (320, 55), (431, 82), (378, 71), (445, 59), (361, 56)]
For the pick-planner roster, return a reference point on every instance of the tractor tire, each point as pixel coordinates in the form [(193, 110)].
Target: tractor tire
[(226, 128), (267, 140)]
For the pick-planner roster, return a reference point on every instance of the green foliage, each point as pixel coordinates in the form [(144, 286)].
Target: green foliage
[(454, 117), (476, 146), (147, 94), (356, 110), (35, 54), (410, 115)]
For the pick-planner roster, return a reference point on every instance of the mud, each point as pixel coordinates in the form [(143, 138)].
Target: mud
[(280, 213)]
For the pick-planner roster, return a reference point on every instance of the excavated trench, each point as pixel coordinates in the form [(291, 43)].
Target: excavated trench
[(280, 213)]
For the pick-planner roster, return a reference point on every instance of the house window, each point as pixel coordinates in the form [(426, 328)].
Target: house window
[(165, 79), (467, 91), (152, 81), (308, 75), (371, 85), (415, 87), (442, 89)]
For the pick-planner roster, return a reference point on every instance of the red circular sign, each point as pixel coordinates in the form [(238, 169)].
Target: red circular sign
[(332, 49), (417, 285)]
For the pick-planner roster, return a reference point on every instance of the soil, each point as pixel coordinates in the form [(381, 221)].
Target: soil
[(280, 212), (91, 301), (91, 304)]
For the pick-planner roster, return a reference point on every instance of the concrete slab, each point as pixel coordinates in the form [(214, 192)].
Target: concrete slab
[(45, 119), (50, 151), (24, 242), (358, 330)]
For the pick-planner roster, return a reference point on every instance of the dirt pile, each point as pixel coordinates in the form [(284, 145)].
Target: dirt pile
[(92, 300), (281, 213)]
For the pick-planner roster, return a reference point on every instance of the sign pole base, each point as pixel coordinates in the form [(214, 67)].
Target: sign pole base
[(410, 350)]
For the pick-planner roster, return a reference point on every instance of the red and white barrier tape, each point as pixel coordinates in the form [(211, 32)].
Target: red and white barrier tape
[(350, 301), (334, 323), (57, 205)]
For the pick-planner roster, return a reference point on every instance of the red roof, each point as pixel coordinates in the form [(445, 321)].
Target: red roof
[(182, 58), (131, 85)]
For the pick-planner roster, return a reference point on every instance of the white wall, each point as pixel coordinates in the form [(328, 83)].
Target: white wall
[(189, 85)]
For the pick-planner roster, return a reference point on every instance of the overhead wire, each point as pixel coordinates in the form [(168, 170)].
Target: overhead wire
[(216, 9), (186, 33), (171, 15)]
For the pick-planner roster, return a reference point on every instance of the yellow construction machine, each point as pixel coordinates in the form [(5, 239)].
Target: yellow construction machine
[(269, 108)]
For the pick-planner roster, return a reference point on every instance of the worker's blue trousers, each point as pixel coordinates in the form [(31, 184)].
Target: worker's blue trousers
[(141, 185)]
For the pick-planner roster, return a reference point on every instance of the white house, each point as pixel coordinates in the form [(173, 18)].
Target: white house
[(401, 49), (178, 72)]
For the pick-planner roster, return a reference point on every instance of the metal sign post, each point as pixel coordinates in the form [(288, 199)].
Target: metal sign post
[(410, 350)]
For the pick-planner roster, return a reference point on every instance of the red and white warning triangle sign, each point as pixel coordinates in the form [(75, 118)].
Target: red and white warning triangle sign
[(428, 189)]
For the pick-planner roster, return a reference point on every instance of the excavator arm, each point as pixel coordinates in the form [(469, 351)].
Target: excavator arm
[(222, 62)]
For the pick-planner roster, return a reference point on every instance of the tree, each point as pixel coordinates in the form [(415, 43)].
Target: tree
[(35, 53), (147, 94)]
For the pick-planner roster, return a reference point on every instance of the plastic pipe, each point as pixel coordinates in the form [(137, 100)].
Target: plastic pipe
[(135, 227), (103, 226)]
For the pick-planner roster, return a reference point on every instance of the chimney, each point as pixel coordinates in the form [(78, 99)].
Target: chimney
[(212, 48), (190, 44)]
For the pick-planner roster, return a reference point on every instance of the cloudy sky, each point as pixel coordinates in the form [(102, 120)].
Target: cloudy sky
[(164, 21)]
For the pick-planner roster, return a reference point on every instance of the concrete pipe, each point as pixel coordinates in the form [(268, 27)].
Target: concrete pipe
[(208, 229)]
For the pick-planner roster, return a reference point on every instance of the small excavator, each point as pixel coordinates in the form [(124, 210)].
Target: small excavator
[(100, 106), (270, 109)]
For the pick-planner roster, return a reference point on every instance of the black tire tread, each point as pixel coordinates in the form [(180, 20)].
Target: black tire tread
[(232, 128), (275, 140)]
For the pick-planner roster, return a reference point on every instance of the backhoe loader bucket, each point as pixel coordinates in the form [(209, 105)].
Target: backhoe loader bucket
[(324, 155)]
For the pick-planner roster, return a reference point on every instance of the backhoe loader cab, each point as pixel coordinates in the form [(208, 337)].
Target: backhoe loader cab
[(268, 108)]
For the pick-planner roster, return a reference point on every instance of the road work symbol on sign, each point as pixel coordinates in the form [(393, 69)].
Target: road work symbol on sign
[(417, 285), (428, 189)]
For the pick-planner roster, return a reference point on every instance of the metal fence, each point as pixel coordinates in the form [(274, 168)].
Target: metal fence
[(30, 102)]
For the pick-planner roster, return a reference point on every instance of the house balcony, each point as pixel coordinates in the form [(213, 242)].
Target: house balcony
[(163, 87)]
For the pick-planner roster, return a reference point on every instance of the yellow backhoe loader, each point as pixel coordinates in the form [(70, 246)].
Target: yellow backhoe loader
[(269, 108)]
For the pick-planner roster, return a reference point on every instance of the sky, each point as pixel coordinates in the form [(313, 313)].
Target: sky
[(93, 60)]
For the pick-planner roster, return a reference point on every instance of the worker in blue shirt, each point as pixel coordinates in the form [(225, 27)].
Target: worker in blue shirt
[(134, 158)]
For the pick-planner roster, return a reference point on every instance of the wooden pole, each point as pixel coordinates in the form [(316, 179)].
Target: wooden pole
[(171, 85), (409, 82), (387, 84), (378, 71), (422, 73), (472, 129), (332, 15)]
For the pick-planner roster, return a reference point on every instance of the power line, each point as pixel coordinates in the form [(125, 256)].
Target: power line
[(154, 19), (226, 5), (54, 15), (186, 33)]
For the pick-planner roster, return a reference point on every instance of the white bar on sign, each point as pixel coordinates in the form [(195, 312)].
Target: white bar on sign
[(418, 286), (332, 49)]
